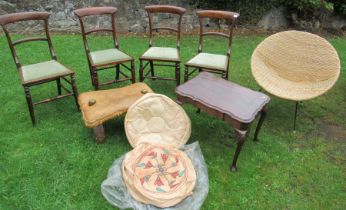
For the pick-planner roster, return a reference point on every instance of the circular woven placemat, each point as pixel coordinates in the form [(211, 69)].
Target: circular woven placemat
[(295, 65), (158, 175)]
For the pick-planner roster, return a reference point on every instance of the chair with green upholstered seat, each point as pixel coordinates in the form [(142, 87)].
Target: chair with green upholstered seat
[(43, 72), (161, 54), (108, 58), (215, 63)]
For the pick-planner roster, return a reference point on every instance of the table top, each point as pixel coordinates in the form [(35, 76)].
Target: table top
[(240, 103)]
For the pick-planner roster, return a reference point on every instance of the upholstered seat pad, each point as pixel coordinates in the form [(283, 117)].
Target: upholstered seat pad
[(44, 70), (208, 60), (157, 119), (109, 103), (162, 53), (103, 57)]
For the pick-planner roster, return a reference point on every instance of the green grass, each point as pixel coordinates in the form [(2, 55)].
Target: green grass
[(57, 165)]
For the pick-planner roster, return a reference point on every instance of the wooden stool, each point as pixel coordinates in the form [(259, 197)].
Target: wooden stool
[(100, 106), (228, 101)]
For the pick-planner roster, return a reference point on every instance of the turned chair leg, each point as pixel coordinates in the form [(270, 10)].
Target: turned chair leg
[(30, 104), (186, 73), (260, 122), (242, 135), (141, 78), (75, 91), (95, 79), (225, 76), (152, 71), (133, 71), (91, 75), (58, 84), (177, 72), (117, 72)]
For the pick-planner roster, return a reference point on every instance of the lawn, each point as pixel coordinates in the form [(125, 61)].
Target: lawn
[(57, 165)]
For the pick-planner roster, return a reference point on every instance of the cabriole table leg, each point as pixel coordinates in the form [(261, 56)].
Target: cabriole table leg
[(241, 136), (260, 122)]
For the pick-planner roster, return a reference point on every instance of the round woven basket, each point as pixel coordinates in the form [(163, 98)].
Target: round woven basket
[(295, 65)]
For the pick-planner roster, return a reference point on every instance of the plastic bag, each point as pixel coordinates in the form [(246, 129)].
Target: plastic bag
[(115, 191)]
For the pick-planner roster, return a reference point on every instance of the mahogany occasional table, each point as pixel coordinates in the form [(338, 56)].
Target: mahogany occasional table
[(228, 101)]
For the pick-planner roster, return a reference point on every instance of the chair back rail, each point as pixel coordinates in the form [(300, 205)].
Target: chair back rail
[(97, 11), (23, 16), (217, 14), (230, 17), (153, 9), (91, 11), (26, 16)]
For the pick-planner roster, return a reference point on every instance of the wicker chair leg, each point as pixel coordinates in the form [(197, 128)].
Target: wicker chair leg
[(75, 91), (117, 73), (58, 84), (295, 116), (152, 70), (186, 73), (133, 71), (141, 78), (177, 72), (30, 104)]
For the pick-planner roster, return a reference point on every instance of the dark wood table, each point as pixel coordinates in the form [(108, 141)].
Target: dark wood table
[(228, 101)]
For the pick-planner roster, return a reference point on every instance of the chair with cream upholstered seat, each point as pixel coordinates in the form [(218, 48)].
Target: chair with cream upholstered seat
[(107, 58), (162, 54), (215, 63), (38, 73)]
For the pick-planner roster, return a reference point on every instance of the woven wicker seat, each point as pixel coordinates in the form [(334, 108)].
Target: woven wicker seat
[(295, 65)]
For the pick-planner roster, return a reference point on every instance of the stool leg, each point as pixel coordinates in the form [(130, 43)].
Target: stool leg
[(260, 122), (99, 134), (242, 135)]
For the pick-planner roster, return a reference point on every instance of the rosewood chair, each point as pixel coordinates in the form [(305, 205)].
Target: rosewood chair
[(43, 72), (214, 63), (108, 58), (162, 54)]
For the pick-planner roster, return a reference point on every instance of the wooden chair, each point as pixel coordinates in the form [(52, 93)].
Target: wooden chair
[(214, 63), (43, 72), (162, 54), (108, 58)]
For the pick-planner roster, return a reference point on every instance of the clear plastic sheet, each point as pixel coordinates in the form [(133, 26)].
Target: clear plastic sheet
[(114, 189)]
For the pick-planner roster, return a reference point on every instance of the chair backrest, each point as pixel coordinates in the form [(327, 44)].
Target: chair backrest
[(152, 9), (97, 11), (26, 16), (229, 17)]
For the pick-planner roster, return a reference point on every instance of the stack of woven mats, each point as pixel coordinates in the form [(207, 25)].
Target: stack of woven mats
[(161, 171)]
